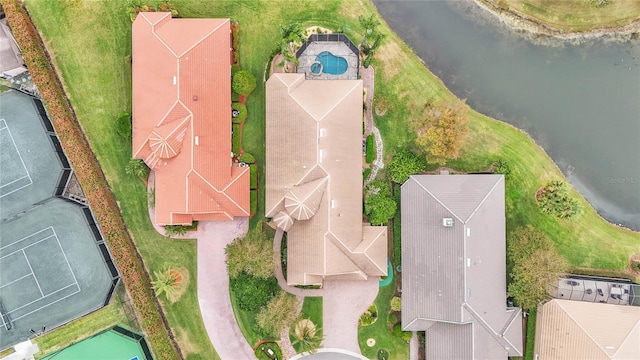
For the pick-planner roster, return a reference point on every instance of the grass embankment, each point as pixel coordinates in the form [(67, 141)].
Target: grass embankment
[(380, 331), (572, 15), (117, 312), (531, 335), (404, 86)]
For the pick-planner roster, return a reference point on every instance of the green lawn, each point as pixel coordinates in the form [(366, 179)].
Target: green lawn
[(117, 312), (531, 335), (575, 15), (311, 309), (90, 43), (397, 348)]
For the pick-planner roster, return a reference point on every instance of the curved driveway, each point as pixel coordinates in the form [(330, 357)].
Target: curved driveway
[(213, 287)]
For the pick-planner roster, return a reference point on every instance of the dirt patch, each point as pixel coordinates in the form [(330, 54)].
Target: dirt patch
[(186, 345), (73, 187), (381, 106), (181, 284), (389, 54)]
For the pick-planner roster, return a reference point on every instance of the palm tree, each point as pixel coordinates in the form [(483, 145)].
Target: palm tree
[(136, 167), (165, 282), (306, 336)]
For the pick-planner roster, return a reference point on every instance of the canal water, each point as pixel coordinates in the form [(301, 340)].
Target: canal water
[(581, 103)]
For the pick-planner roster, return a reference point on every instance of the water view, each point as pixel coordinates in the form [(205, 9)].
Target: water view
[(581, 103)]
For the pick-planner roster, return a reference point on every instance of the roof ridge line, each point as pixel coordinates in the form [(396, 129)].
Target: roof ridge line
[(497, 337), (153, 31), (202, 39), (438, 200), (347, 93), (580, 326), (485, 198), (626, 338)]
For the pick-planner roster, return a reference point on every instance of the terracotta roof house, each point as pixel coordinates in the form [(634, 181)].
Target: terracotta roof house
[(314, 180), (182, 117), (454, 267), (567, 329)]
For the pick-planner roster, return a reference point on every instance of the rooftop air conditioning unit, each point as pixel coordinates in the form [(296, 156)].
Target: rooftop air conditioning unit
[(447, 222)]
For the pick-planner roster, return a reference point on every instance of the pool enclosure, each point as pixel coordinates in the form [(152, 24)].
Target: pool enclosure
[(328, 57)]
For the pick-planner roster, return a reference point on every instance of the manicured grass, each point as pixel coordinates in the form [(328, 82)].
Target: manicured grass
[(397, 348), (312, 310), (262, 354), (117, 312), (575, 15), (247, 323)]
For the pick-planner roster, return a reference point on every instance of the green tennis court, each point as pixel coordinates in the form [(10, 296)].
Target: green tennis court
[(113, 344)]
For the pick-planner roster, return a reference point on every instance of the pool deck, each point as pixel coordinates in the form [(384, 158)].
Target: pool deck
[(337, 48)]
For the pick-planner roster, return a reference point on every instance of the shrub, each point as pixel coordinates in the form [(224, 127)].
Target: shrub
[(262, 353), (366, 173), (170, 230), (234, 69), (243, 82), (382, 354), (404, 335), (370, 149), (236, 139), (247, 158), (253, 201), (366, 319), (635, 266), (242, 112), (554, 199), (502, 167), (234, 36), (392, 319), (253, 292), (137, 167), (396, 303), (367, 61), (405, 163), (123, 126), (253, 176), (379, 205)]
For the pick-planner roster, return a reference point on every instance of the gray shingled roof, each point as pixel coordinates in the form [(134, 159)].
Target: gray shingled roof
[(455, 274)]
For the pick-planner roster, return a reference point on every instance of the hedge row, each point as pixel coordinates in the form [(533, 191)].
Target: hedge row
[(242, 112), (370, 149), (236, 139), (253, 176), (93, 182)]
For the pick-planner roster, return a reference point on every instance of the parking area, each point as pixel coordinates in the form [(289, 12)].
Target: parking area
[(595, 289)]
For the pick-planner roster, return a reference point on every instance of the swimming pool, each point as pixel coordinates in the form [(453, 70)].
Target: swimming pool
[(115, 343), (328, 63)]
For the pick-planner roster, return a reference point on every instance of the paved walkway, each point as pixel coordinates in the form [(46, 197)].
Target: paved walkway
[(368, 79), (213, 283), (343, 303)]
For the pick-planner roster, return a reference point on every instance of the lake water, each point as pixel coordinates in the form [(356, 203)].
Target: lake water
[(581, 103)]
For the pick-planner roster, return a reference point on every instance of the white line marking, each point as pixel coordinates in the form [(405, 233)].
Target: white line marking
[(21, 160), (32, 273), (3, 123), (16, 280), (9, 183), (65, 259), (28, 236), (49, 304), (28, 246)]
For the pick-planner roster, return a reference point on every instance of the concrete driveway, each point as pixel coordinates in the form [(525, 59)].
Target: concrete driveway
[(213, 287)]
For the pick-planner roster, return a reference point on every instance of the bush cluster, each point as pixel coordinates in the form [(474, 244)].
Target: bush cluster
[(392, 318), (247, 158), (370, 316), (243, 82), (123, 126), (404, 335), (404, 164), (236, 139), (370, 149), (554, 199), (242, 112), (253, 292), (94, 184), (379, 204)]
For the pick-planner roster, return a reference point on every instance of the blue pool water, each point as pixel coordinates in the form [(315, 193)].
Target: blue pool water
[(331, 64)]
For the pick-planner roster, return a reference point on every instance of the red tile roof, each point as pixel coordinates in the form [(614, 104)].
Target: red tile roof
[(182, 117)]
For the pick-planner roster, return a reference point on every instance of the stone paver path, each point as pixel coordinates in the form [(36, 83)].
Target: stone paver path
[(368, 79), (414, 346)]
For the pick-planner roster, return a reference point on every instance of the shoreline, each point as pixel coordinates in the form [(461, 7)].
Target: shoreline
[(547, 34)]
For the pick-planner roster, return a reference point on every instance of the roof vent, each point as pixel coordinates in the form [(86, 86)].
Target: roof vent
[(197, 140), (195, 97), (447, 222)]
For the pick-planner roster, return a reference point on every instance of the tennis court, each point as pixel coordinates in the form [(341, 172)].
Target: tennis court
[(54, 265)]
